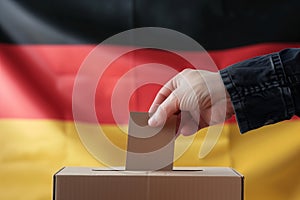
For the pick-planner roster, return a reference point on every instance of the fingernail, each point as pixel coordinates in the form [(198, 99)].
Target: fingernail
[(152, 121)]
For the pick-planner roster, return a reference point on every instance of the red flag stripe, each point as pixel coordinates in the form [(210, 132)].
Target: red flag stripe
[(37, 80)]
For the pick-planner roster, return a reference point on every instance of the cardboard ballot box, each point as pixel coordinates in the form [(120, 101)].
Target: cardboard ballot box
[(149, 173), (203, 183)]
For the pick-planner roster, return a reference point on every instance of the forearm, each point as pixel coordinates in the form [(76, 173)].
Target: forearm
[(265, 89)]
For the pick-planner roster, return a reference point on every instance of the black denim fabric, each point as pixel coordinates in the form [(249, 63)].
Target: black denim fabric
[(265, 89)]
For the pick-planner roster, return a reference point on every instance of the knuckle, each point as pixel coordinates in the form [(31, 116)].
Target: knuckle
[(185, 71)]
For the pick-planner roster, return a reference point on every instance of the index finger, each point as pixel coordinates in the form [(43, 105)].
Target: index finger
[(161, 96)]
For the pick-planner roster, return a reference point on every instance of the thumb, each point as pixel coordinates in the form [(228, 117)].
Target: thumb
[(164, 111)]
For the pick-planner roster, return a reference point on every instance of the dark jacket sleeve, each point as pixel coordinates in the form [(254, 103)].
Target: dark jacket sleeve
[(265, 89)]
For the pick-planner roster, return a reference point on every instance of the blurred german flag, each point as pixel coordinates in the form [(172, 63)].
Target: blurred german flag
[(43, 44)]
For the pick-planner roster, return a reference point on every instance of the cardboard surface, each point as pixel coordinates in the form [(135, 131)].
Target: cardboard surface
[(150, 148), (207, 183)]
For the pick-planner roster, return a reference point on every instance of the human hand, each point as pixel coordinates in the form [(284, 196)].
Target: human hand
[(200, 96)]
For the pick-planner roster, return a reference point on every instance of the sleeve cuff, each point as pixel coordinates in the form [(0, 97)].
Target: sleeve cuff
[(259, 92)]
